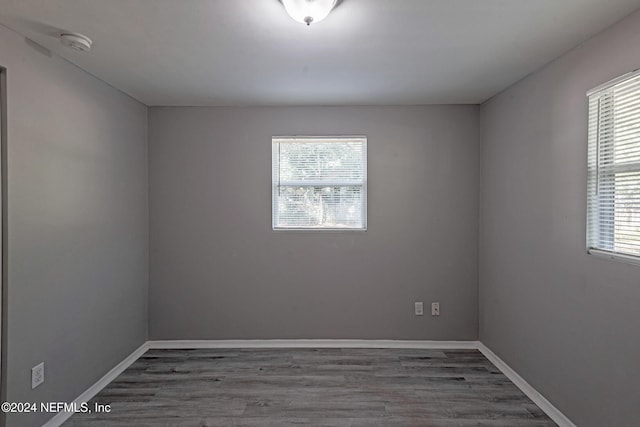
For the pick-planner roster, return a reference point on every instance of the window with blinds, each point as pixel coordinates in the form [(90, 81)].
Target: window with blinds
[(319, 183), (613, 211)]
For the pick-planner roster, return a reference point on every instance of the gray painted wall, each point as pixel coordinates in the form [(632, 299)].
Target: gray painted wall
[(218, 271), (78, 225), (566, 321)]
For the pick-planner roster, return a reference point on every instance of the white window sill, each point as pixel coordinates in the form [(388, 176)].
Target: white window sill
[(627, 259), (320, 229)]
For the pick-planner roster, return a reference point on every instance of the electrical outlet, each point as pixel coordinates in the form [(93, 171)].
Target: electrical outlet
[(37, 375), (419, 308), (435, 309)]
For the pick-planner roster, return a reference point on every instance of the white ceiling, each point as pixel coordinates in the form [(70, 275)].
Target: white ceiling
[(249, 52)]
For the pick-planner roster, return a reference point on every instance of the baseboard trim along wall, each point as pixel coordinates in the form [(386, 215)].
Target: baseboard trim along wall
[(533, 394), (96, 388), (309, 343), (553, 412)]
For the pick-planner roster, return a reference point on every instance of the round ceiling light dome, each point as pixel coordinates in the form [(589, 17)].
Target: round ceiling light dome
[(308, 11), (76, 41)]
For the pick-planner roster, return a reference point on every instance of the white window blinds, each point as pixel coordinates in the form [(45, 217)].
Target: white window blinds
[(613, 211), (319, 182)]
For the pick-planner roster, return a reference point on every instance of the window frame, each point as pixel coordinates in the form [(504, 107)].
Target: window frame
[(596, 220), (276, 184)]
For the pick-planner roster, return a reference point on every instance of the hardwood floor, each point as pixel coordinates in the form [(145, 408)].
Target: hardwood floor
[(318, 387)]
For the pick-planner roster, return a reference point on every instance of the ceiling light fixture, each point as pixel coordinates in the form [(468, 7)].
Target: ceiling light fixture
[(308, 11), (76, 41)]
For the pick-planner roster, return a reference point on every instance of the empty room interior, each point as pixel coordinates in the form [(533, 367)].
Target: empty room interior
[(320, 212)]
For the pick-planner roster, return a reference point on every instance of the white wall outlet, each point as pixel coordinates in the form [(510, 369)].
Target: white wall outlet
[(419, 308), (435, 309), (37, 375)]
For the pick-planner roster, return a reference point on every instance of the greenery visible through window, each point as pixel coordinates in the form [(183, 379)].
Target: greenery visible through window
[(613, 219), (319, 182)]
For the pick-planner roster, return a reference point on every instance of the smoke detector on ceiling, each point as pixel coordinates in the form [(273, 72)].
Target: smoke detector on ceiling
[(76, 41)]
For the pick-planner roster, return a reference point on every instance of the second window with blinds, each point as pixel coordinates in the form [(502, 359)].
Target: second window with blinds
[(613, 219), (319, 183)]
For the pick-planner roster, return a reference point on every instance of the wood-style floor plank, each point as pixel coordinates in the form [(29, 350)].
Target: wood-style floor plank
[(318, 387)]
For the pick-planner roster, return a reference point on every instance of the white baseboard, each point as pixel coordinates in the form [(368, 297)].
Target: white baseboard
[(553, 412), (61, 417), (308, 343)]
